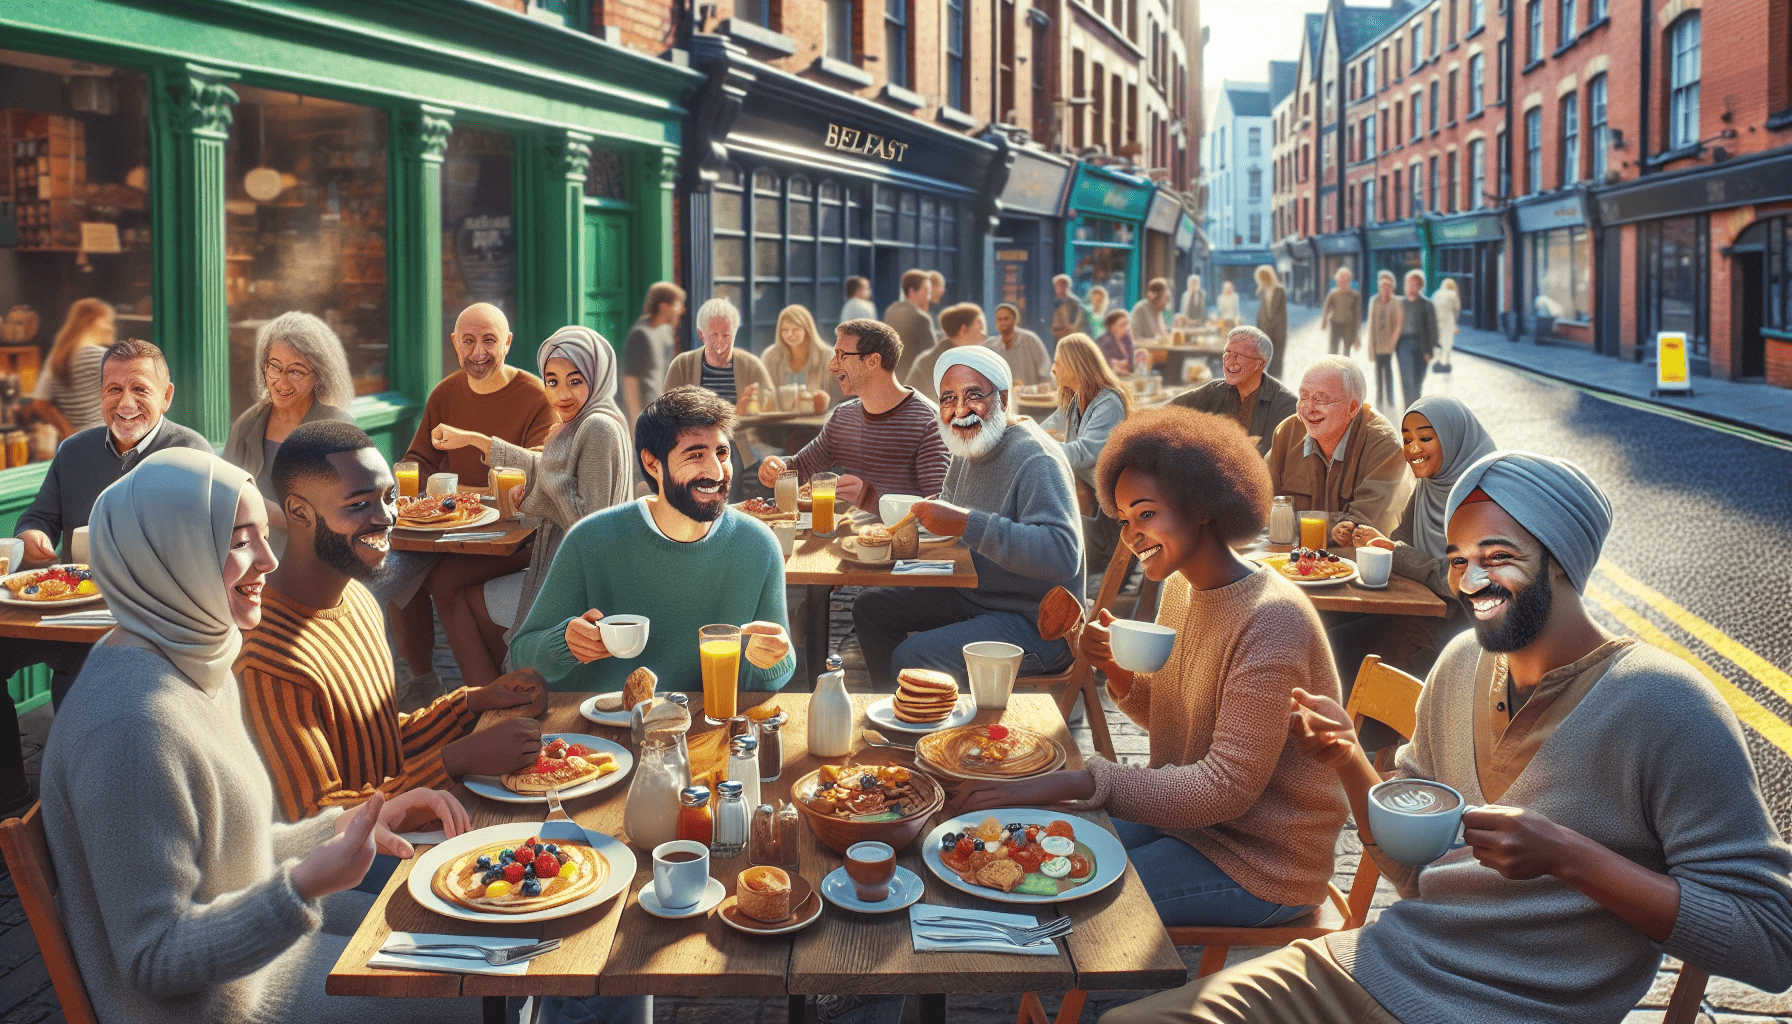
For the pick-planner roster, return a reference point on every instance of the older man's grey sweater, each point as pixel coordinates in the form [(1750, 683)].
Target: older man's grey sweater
[(1025, 535), (1652, 765)]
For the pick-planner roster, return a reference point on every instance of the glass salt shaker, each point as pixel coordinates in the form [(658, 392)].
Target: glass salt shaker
[(731, 822), (743, 766)]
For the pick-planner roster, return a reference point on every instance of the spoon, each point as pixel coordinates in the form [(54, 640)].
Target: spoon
[(878, 739)]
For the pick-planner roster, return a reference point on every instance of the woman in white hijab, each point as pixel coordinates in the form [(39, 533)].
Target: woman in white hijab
[(584, 467), (183, 899)]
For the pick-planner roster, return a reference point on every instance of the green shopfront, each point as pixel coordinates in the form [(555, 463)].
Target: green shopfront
[(1105, 237), (206, 165)]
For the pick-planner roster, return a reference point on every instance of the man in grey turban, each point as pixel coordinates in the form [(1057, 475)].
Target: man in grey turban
[(1612, 805)]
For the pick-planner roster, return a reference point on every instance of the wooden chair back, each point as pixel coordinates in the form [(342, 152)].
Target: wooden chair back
[(1079, 678), (1386, 694), (27, 851)]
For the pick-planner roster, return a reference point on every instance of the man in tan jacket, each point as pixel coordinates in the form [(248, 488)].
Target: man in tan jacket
[(1343, 314), (1338, 454)]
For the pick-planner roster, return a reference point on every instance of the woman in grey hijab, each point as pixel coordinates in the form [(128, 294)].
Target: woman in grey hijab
[(184, 899), (583, 468)]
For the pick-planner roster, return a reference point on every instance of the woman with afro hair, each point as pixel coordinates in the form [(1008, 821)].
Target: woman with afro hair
[(1227, 824)]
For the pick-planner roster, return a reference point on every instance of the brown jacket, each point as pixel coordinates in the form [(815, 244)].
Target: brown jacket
[(687, 368), (1343, 314), (1369, 482), (1386, 320), (915, 328)]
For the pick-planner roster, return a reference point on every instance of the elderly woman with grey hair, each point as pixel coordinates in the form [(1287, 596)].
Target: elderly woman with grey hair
[(303, 377)]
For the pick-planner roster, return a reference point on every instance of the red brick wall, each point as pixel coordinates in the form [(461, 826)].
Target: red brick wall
[(1779, 363), (650, 26)]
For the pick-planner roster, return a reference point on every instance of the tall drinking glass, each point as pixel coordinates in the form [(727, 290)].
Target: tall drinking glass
[(718, 647), (503, 478), (1313, 528), (406, 474), (821, 494), (786, 491)]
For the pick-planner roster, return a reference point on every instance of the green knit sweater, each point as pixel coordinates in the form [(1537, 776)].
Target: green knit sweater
[(616, 562)]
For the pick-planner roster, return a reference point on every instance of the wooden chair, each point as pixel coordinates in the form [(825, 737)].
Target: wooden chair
[(27, 852), (1689, 993), (1079, 678)]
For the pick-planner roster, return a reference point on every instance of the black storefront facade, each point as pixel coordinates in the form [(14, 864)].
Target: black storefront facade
[(1029, 235), (1397, 248), (1342, 251), (794, 187), (1469, 249)]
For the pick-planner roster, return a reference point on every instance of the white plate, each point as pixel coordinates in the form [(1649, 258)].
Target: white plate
[(905, 888), (486, 515), (1110, 856), (490, 787), (883, 715), (615, 719), (713, 894), (8, 597), (1266, 560), (622, 872)]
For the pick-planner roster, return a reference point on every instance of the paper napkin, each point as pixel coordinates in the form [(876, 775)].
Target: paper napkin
[(425, 962), (922, 567), (923, 917)]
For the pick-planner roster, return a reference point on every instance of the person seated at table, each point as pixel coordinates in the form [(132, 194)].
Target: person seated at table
[(496, 399), (1228, 824), (1098, 306), (1091, 403), (582, 468), (317, 673), (650, 346), (800, 357), (304, 378), (733, 373), (1247, 392), (858, 304), (884, 439), (1068, 315), (69, 385), (1116, 341), (1442, 440), (1020, 348), (1338, 455), (184, 898), (1194, 302), (1147, 319), (1008, 493), (679, 556), (1589, 853), (1226, 306), (963, 327), (908, 317)]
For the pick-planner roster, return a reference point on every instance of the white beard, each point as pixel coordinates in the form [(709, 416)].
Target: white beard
[(985, 441)]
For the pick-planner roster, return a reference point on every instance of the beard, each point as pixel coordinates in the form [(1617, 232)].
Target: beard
[(1527, 612), (989, 434), (337, 551), (684, 498)]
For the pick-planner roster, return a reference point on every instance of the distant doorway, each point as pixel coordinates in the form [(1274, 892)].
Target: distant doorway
[(1748, 273)]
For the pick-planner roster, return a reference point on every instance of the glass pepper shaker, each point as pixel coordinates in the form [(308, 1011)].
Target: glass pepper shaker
[(731, 822), (762, 842), (771, 748)]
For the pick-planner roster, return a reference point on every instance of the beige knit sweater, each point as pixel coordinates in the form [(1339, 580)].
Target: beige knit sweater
[(1224, 775)]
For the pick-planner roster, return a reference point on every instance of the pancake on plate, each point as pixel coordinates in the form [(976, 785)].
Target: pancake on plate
[(57, 583), (521, 878), (990, 751), (1029, 859), (1305, 565), (440, 509), (765, 511), (924, 696), (561, 765)]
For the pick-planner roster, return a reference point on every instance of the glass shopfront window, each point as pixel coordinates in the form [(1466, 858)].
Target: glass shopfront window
[(1101, 254), (305, 203), (1559, 273), (74, 240), (478, 228), (1676, 280)]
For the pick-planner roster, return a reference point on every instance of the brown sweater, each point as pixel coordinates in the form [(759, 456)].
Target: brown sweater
[(318, 695), (518, 412), (1224, 775), (1370, 484)]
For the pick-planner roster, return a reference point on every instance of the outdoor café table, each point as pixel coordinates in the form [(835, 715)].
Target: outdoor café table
[(815, 564), (1175, 356), (618, 948), (514, 533), (1402, 596), (787, 430), (22, 623)]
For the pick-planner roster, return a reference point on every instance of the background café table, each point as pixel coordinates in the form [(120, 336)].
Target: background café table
[(1402, 596), (501, 537), (23, 623), (618, 948)]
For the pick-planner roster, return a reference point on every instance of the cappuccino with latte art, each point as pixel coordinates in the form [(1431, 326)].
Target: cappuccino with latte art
[(1415, 796)]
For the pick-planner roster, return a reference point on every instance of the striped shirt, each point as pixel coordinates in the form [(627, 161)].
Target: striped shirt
[(894, 452), (76, 395), (319, 698), (720, 381)]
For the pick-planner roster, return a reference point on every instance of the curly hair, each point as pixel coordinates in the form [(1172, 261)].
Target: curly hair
[(1204, 463), (315, 343)]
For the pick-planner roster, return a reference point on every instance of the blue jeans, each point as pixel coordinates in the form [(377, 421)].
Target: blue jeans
[(1189, 889), (1412, 373), (942, 622)]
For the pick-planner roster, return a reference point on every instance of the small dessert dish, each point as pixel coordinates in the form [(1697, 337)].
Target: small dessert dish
[(763, 893), (874, 543)]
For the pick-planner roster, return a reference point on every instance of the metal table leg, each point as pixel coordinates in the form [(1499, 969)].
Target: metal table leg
[(815, 638), (933, 1009)]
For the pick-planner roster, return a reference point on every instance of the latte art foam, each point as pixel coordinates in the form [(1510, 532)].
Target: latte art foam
[(1413, 797)]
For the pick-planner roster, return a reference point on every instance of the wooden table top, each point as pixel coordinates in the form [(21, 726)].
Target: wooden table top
[(1402, 596), (817, 561), (22, 623), (809, 420), (516, 534), (620, 949)]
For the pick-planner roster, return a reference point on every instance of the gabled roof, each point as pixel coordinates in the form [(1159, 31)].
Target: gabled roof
[(1282, 76), (1248, 100), (1315, 29), (1360, 26)]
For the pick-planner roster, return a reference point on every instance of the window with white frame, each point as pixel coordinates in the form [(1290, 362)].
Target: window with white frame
[(1477, 15), (1533, 46), (1477, 174), (896, 44), (956, 93), (1683, 81), (1418, 115), (1434, 104), (1255, 176), (839, 29), (1256, 228), (1533, 150), (1596, 125), (1570, 120), (1567, 30), (1596, 11), (1415, 180), (1253, 144), (1418, 46), (1477, 83)]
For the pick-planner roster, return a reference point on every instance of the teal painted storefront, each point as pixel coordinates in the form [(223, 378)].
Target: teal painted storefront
[(1104, 240)]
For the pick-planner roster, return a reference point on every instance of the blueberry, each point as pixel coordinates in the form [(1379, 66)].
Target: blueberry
[(531, 887), (485, 863), (977, 845), (948, 840), (529, 870), (492, 876), (447, 504), (553, 849), (32, 589), (867, 782), (1013, 828), (825, 786)]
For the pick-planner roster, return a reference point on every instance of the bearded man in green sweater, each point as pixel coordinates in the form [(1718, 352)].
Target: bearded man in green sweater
[(681, 557), (1614, 814)]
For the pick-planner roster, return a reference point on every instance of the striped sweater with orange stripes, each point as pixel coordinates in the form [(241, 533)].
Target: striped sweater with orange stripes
[(319, 697)]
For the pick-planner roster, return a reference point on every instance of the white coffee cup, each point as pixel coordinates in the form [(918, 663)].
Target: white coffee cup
[(443, 483), (679, 884), (1140, 646), (1374, 564), (892, 507), (78, 548), (12, 552), (786, 534), (625, 636), (992, 667)]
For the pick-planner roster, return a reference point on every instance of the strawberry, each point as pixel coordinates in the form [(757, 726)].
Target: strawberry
[(525, 854), (545, 766), (513, 872), (997, 732), (577, 750), (546, 866)]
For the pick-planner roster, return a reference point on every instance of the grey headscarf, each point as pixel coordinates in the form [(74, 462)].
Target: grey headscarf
[(158, 538), (1463, 440), (596, 360), (1552, 498)]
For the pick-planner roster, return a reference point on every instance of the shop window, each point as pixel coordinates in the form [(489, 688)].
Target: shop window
[(1683, 81), (479, 243), (908, 215), (1596, 137), (74, 228), (1570, 121), (896, 42), (305, 204), (1101, 254), (1676, 280), (1779, 273), (727, 214), (606, 177)]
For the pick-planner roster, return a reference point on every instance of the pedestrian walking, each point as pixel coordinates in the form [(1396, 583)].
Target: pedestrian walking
[(1272, 314), (1385, 321), (1343, 314), (1418, 337), (1447, 301)]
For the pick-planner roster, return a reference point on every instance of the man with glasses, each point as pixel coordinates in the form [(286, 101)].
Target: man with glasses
[(1008, 493), (1247, 393), (882, 438), (1337, 453)]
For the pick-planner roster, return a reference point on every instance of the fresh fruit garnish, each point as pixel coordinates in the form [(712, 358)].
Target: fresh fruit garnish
[(761, 712), (997, 732), (546, 866), (577, 750), (525, 855), (1060, 827), (497, 889), (513, 872), (532, 887), (965, 844), (1079, 865)]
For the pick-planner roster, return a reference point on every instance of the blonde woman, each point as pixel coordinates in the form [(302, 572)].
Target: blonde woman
[(1227, 306), (1272, 314), (1091, 403), (800, 357), (72, 381), (1448, 303)]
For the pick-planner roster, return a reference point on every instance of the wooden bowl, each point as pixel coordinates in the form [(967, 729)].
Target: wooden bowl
[(837, 834)]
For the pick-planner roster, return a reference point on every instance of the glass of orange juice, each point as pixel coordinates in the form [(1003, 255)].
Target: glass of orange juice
[(1313, 527), (821, 503), (407, 475), (718, 647), (503, 479)]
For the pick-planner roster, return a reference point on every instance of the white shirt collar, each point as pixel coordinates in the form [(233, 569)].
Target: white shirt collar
[(647, 514)]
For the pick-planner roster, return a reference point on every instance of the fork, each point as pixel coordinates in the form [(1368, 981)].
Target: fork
[(498, 957), (559, 827), (1017, 935)]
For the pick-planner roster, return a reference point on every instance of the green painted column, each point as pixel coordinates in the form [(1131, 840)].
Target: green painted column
[(419, 140), (551, 271), (190, 114), (658, 174)]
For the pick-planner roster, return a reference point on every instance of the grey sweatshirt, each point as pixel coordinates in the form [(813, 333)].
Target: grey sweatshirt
[(1652, 765), (1025, 534)]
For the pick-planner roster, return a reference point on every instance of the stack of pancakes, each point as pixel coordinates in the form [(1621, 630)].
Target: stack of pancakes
[(924, 696)]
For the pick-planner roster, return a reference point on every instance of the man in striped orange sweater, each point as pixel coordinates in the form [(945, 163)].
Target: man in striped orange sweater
[(317, 673)]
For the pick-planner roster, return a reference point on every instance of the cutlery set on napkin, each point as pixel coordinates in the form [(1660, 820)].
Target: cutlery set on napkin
[(923, 567), (958, 930), (459, 954)]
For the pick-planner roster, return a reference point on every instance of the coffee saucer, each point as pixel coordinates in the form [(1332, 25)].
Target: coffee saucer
[(713, 893), (805, 907), (905, 888)]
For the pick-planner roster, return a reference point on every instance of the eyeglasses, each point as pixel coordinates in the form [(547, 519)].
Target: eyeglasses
[(842, 354), (949, 400), (1232, 356), (1309, 399), (295, 373)]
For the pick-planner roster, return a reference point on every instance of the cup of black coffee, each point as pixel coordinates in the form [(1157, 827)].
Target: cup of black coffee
[(1415, 821)]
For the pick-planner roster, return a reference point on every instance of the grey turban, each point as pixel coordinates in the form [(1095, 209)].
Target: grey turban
[(1552, 498)]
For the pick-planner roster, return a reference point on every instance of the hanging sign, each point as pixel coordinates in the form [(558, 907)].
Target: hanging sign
[(1670, 364)]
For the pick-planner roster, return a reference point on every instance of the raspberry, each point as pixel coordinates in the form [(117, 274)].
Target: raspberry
[(997, 732), (577, 750), (513, 872), (525, 855), (546, 866), (543, 766)]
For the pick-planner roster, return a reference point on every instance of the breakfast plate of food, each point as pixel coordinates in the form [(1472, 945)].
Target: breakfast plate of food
[(59, 585), (764, 510), (1017, 855), (992, 751), (506, 873), (925, 700), (576, 765), (1311, 567), (434, 513)]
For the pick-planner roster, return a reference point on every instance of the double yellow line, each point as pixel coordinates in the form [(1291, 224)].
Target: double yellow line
[(1757, 717)]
